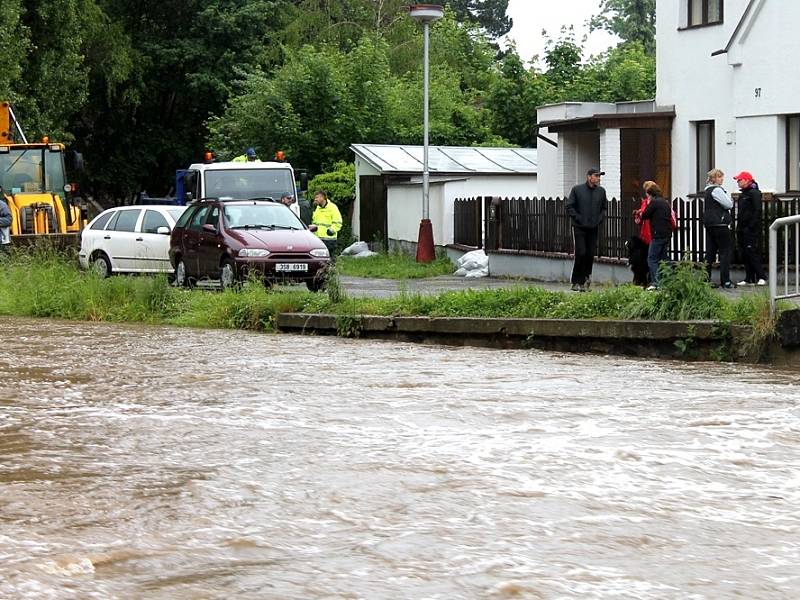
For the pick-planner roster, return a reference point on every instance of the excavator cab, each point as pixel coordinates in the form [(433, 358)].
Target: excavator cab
[(34, 185)]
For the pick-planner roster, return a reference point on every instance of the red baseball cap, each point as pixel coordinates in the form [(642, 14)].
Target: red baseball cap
[(746, 175)]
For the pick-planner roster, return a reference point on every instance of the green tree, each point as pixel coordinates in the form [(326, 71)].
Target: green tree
[(490, 15), (632, 20), (174, 63), (513, 99), (14, 46), (564, 69)]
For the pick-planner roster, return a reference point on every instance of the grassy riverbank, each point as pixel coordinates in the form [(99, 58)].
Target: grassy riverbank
[(394, 265), (46, 284)]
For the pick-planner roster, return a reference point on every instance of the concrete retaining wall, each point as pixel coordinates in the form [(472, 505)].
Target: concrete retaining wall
[(696, 340)]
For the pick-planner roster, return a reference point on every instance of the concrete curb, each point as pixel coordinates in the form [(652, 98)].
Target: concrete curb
[(665, 339)]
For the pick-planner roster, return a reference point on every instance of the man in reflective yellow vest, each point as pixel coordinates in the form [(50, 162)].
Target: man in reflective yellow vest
[(326, 221), (248, 156)]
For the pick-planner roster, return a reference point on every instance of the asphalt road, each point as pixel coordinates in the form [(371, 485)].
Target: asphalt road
[(385, 288)]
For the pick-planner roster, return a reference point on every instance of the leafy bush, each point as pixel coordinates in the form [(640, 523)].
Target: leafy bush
[(684, 295)]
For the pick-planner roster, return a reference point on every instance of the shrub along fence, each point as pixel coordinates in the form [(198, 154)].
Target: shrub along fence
[(540, 226)]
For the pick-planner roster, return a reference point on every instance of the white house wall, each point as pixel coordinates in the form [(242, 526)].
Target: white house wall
[(578, 151), (404, 211), (548, 182), (610, 149), (746, 92), (404, 203)]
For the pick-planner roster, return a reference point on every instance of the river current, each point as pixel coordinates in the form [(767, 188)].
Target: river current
[(144, 462)]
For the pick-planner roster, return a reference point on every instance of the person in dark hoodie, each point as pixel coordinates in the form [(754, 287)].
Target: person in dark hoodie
[(659, 214), (717, 222), (586, 207), (748, 223)]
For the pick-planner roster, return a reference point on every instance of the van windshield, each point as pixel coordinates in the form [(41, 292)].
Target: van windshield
[(268, 216), (243, 184)]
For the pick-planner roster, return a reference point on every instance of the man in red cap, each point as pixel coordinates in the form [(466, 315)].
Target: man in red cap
[(748, 226)]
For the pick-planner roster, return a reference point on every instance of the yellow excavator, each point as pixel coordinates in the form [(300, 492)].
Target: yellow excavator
[(33, 183)]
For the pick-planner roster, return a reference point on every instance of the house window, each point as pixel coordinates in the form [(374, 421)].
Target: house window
[(705, 151), (704, 12), (793, 153)]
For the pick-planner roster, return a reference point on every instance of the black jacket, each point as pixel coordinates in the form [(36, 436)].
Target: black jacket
[(586, 206), (714, 214), (659, 212), (748, 215)]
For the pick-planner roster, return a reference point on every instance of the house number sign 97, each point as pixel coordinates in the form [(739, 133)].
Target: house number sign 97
[(758, 92)]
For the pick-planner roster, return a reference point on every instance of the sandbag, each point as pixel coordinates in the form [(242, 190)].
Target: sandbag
[(473, 264), (356, 248), (365, 254)]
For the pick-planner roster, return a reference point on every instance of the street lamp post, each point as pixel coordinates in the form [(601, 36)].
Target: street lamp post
[(425, 14)]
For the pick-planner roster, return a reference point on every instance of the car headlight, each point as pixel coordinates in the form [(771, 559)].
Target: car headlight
[(320, 252), (253, 252)]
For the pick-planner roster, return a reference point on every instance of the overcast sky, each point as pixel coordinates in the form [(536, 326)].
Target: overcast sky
[(531, 16)]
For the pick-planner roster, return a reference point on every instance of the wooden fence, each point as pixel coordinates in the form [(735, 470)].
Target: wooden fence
[(541, 225)]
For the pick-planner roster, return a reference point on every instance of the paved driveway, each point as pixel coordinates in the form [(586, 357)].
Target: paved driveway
[(384, 288)]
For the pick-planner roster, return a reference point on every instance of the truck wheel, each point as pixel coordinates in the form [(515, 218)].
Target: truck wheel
[(101, 265), (227, 274), (181, 277)]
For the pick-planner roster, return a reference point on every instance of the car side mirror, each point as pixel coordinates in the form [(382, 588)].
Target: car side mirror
[(303, 181), (210, 228), (163, 230)]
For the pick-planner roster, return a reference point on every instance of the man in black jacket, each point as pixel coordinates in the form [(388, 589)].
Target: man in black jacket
[(586, 206), (748, 223)]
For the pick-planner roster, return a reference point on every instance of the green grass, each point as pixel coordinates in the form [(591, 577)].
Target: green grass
[(395, 265), (49, 284)]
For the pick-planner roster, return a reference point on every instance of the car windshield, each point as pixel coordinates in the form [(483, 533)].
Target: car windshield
[(254, 216), (176, 212), (244, 184)]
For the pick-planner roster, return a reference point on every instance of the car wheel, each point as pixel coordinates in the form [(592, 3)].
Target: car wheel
[(101, 265), (316, 284), (227, 274), (181, 276)]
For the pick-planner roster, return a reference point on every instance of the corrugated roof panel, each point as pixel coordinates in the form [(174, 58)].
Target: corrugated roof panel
[(449, 159), (474, 160), (437, 161), (523, 160)]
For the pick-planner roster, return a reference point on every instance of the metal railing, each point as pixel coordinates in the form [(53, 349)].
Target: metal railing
[(782, 226)]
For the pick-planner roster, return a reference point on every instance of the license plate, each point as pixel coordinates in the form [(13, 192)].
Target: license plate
[(291, 267)]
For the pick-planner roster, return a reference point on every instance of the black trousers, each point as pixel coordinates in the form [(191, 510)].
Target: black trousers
[(330, 244), (748, 245), (718, 241), (585, 249)]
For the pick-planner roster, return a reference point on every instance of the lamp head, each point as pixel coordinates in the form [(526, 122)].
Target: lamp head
[(425, 13)]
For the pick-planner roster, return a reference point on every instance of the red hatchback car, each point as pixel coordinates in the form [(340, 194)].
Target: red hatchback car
[(226, 240)]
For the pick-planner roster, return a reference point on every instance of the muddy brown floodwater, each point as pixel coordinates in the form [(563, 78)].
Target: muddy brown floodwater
[(141, 462)]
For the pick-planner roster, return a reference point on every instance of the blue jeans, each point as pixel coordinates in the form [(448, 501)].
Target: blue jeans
[(659, 251)]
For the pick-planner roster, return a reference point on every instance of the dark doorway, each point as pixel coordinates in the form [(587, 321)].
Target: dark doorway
[(645, 156), (372, 211)]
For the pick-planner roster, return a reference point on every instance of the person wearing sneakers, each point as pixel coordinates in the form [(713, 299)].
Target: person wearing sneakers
[(586, 207), (717, 223), (748, 224), (659, 214)]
